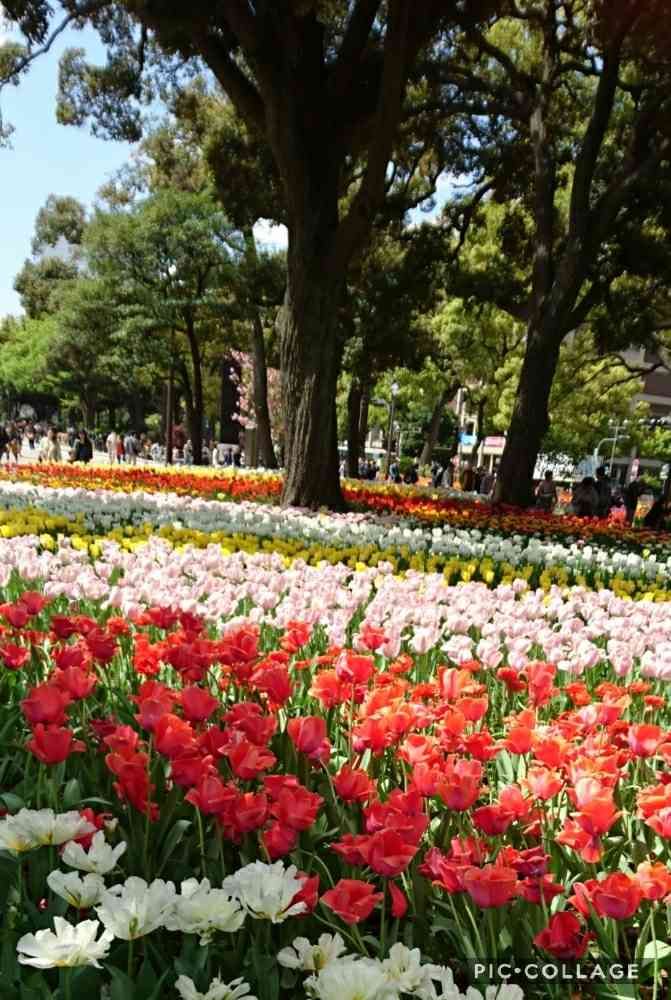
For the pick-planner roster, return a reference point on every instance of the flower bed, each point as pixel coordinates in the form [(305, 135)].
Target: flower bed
[(465, 554), (228, 777), (413, 505)]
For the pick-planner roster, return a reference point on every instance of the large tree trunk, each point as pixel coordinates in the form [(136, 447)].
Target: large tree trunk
[(311, 348), (433, 430), (354, 401), (363, 412), (264, 437), (311, 357), (530, 419), (198, 409), (88, 406)]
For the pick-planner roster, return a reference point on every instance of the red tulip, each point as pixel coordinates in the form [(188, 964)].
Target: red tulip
[(279, 840), (14, 657), (352, 900), (197, 703), (248, 761), (353, 784), (297, 807), (399, 901), (563, 937), (16, 614), (389, 854), (78, 682), (250, 811), (543, 783), (617, 896), (211, 796), (654, 879), (493, 819), (173, 737), (307, 733), (45, 703), (644, 739), (490, 886), (460, 786), (53, 744)]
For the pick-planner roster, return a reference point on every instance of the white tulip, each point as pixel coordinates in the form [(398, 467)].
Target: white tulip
[(237, 989), (79, 892), (312, 957), (65, 946), (36, 827), (134, 908), (266, 891), (202, 910), (101, 858), (352, 978)]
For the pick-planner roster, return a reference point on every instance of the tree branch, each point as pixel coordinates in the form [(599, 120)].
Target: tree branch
[(353, 44), (593, 140), (392, 85), (239, 87), (34, 54)]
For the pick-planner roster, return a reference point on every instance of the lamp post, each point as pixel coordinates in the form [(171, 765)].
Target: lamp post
[(394, 394)]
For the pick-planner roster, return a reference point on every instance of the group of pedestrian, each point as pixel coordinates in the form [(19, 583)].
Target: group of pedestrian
[(123, 447), (596, 496)]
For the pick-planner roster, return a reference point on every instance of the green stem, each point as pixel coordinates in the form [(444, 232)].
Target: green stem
[(67, 983), (383, 920), (655, 970), (131, 943), (201, 841)]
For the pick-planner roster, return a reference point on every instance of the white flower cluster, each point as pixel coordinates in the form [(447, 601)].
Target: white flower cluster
[(338, 976), (31, 828), (132, 909), (103, 510)]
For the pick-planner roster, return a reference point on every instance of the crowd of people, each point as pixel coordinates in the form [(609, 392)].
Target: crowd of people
[(598, 496), (47, 443)]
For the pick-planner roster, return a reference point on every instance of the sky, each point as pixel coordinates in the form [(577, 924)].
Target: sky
[(47, 158)]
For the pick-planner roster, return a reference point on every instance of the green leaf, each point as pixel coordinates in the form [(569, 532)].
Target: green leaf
[(123, 988), (12, 802), (173, 839), (659, 949), (72, 794)]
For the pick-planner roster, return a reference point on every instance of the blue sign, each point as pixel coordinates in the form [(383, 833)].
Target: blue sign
[(468, 440)]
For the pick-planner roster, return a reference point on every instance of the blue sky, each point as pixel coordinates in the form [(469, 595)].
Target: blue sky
[(45, 158)]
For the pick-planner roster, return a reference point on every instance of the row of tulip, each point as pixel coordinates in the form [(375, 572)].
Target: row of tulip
[(224, 777), (421, 505), (350, 537)]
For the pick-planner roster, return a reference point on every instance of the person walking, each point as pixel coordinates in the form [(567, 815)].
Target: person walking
[(656, 517), (83, 450), (632, 494), (546, 493), (111, 445), (4, 442), (585, 498), (50, 447), (130, 448), (605, 491), (14, 443)]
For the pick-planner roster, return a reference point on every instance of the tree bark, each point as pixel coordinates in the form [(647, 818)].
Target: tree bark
[(354, 402), (363, 412), (433, 430), (530, 419), (198, 408), (264, 437), (311, 355), (88, 406)]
